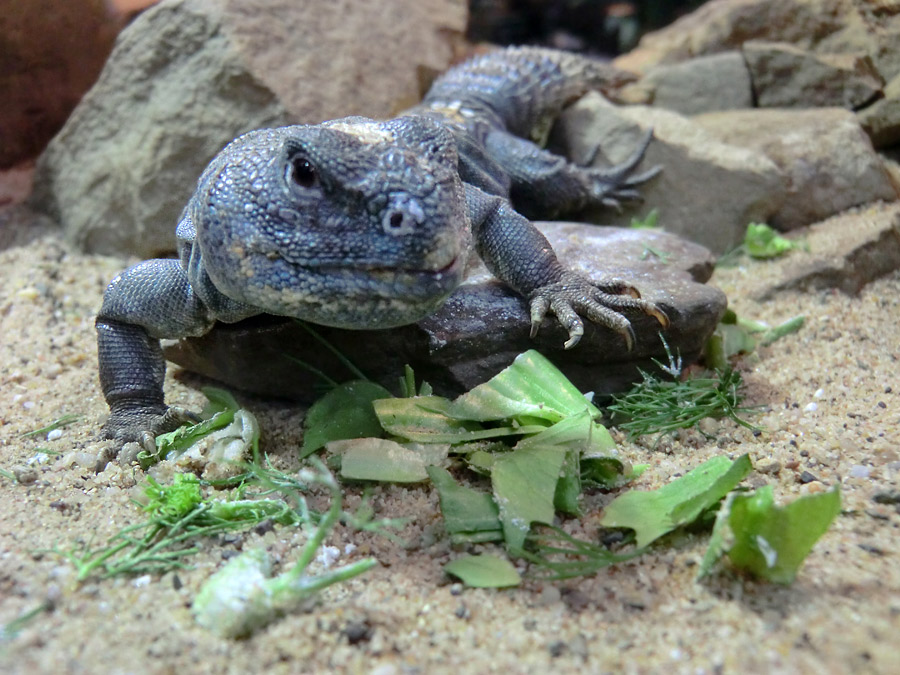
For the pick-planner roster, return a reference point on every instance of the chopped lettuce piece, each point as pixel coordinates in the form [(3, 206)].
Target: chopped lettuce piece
[(654, 513), (761, 241), (484, 571), (768, 541), (384, 460), (524, 483), (344, 412), (466, 510)]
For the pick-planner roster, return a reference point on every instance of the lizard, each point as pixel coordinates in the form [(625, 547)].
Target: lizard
[(358, 223)]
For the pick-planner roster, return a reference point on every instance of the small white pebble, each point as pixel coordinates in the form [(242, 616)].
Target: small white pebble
[(28, 405), (589, 395), (327, 555), (142, 581), (349, 548), (38, 458), (55, 435), (811, 407), (819, 393), (18, 397), (860, 471)]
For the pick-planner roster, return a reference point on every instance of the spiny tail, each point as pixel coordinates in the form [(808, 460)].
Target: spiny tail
[(525, 88)]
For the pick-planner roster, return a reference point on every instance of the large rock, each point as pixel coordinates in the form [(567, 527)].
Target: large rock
[(827, 160), (845, 252), (704, 84), (823, 26), (51, 53), (708, 190), (187, 76), (484, 326), (785, 76)]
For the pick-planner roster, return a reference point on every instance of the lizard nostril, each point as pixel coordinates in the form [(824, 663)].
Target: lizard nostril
[(396, 220)]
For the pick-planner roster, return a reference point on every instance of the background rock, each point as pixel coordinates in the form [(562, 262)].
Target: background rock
[(827, 160), (484, 326), (785, 76), (882, 119), (51, 54), (187, 76), (844, 252), (707, 83), (708, 190), (823, 26)]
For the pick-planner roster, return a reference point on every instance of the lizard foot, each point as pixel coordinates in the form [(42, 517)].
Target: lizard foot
[(143, 425), (573, 295), (614, 185)]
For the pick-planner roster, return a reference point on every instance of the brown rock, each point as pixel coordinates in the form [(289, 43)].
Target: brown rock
[(822, 26), (882, 119), (51, 54), (827, 160), (785, 76)]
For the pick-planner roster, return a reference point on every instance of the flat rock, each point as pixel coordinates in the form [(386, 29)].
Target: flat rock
[(846, 252), (483, 326), (188, 76), (826, 158), (708, 190), (707, 83), (785, 76)]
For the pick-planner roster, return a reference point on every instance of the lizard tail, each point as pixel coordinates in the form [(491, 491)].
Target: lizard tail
[(523, 88)]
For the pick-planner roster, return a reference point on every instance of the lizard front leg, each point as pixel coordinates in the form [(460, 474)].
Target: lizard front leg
[(518, 254), (148, 301)]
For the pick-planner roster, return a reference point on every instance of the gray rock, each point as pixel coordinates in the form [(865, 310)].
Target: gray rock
[(822, 26), (846, 252), (881, 120), (708, 190), (715, 82), (187, 76), (785, 76), (484, 326), (827, 160)]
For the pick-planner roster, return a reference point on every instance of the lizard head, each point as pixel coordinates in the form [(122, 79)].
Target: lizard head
[(351, 223)]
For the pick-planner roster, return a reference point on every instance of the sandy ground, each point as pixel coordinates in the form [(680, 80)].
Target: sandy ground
[(832, 398)]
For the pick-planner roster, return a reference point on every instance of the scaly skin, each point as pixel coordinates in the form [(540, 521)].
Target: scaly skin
[(357, 223)]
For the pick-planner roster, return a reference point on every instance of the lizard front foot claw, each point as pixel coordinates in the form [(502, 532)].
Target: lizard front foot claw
[(602, 303), (143, 424), (614, 185)]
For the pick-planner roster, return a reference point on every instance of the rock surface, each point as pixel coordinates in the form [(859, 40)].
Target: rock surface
[(51, 54), (823, 26), (708, 190), (826, 158), (484, 325), (187, 76), (882, 119), (845, 252), (714, 82), (785, 76)]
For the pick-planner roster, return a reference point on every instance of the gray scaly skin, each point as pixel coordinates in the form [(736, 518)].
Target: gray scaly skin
[(357, 223)]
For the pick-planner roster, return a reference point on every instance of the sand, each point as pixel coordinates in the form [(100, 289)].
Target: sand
[(831, 397)]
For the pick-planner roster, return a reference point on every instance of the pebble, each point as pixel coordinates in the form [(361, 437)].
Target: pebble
[(55, 435), (860, 471), (811, 407), (25, 475), (814, 487), (768, 465)]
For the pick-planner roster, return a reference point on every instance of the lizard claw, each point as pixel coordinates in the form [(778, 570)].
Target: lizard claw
[(143, 424), (574, 295)]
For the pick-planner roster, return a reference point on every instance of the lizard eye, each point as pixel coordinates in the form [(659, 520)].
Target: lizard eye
[(302, 172)]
